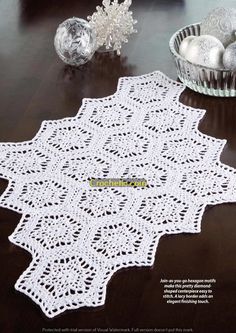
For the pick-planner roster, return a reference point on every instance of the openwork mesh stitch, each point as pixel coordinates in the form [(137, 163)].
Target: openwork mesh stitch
[(79, 235)]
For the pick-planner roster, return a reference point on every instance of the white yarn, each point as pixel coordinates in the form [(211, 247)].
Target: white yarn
[(78, 235)]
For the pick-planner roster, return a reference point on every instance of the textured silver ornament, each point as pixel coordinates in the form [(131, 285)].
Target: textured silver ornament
[(185, 44), (206, 51), (220, 23), (113, 24), (75, 41), (229, 57)]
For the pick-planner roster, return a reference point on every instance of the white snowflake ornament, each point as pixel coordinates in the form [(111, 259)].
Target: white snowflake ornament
[(113, 24)]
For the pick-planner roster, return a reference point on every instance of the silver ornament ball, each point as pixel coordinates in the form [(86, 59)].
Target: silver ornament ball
[(185, 44), (206, 51), (229, 57), (75, 41), (220, 23)]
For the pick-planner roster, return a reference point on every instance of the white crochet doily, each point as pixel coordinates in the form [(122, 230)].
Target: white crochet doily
[(80, 235)]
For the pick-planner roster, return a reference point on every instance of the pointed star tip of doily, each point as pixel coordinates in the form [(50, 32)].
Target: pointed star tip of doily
[(156, 74)]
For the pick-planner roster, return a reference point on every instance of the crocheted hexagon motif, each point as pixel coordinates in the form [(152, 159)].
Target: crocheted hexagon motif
[(80, 235)]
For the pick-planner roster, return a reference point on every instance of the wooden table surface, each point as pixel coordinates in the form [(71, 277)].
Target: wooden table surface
[(35, 85)]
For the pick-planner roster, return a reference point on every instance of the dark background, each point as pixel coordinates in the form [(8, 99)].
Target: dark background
[(35, 85)]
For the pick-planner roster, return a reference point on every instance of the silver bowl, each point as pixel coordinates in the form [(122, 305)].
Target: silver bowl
[(208, 81)]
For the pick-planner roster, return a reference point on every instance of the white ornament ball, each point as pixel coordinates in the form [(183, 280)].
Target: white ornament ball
[(220, 23), (206, 51), (185, 44), (75, 41), (229, 57)]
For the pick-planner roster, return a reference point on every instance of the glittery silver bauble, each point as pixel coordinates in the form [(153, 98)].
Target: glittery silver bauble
[(75, 41), (220, 23), (185, 44), (229, 57), (206, 51)]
